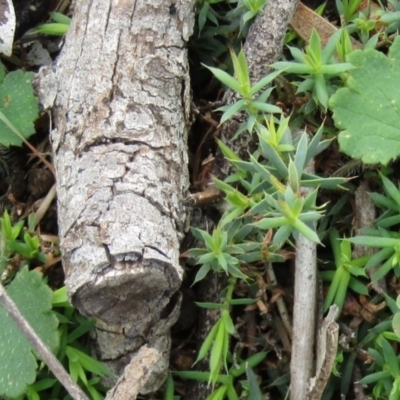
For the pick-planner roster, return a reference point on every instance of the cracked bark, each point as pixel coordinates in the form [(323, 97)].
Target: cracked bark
[(122, 117)]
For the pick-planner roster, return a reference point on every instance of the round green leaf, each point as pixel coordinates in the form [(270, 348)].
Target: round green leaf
[(18, 108), (367, 110), (17, 362)]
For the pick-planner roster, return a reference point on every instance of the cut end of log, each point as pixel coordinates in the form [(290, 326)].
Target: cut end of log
[(129, 292)]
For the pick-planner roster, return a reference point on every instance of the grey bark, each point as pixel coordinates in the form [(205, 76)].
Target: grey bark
[(122, 117), (265, 39)]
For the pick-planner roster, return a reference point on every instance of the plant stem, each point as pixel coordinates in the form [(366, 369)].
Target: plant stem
[(228, 296)]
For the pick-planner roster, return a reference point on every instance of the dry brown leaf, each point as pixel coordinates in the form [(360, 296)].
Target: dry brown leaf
[(305, 19), (371, 307)]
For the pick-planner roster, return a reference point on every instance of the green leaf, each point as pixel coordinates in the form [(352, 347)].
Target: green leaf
[(82, 329), (60, 297), (88, 363), (335, 69), (261, 169), (10, 231), (358, 287), (264, 82), (309, 233), (231, 392), (263, 97), (388, 222), (31, 222), (293, 177), (236, 272), (274, 158), (301, 154), (273, 222), (372, 241), (383, 270), (203, 236), (248, 16), (18, 108), (310, 216), (230, 328), (310, 200), (252, 362), (265, 107), (282, 234), (206, 258), (203, 15), (357, 271), (314, 48), (396, 324), (333, 288), (225, 78), (367, 111), (391, 189), (201, 273), (326, 183), (390, 356), (236, 302), (205, 347), (33, 299), (293, 67), (345, 248), (169, 388), (60, 18), (297, 54), (230, 111), (227, 152), (321, 90), (395, 392), (330, 47), (374, 377), (335, 244), (217, 351), (54, 28), (382, 201), (254, 388), (241, 72), (215, 306), (235, 213), (222, 261), (43, 384), (2, 71), (379, 257), (201, 376), (218, 394), (340, 295)]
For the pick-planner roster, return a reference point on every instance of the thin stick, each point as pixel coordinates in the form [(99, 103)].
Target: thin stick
[(34, 151), (279, 302), (43, 208), (304, 313), (46, 355)]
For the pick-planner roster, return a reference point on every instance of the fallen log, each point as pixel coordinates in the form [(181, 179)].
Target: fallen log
[(121, 117)]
